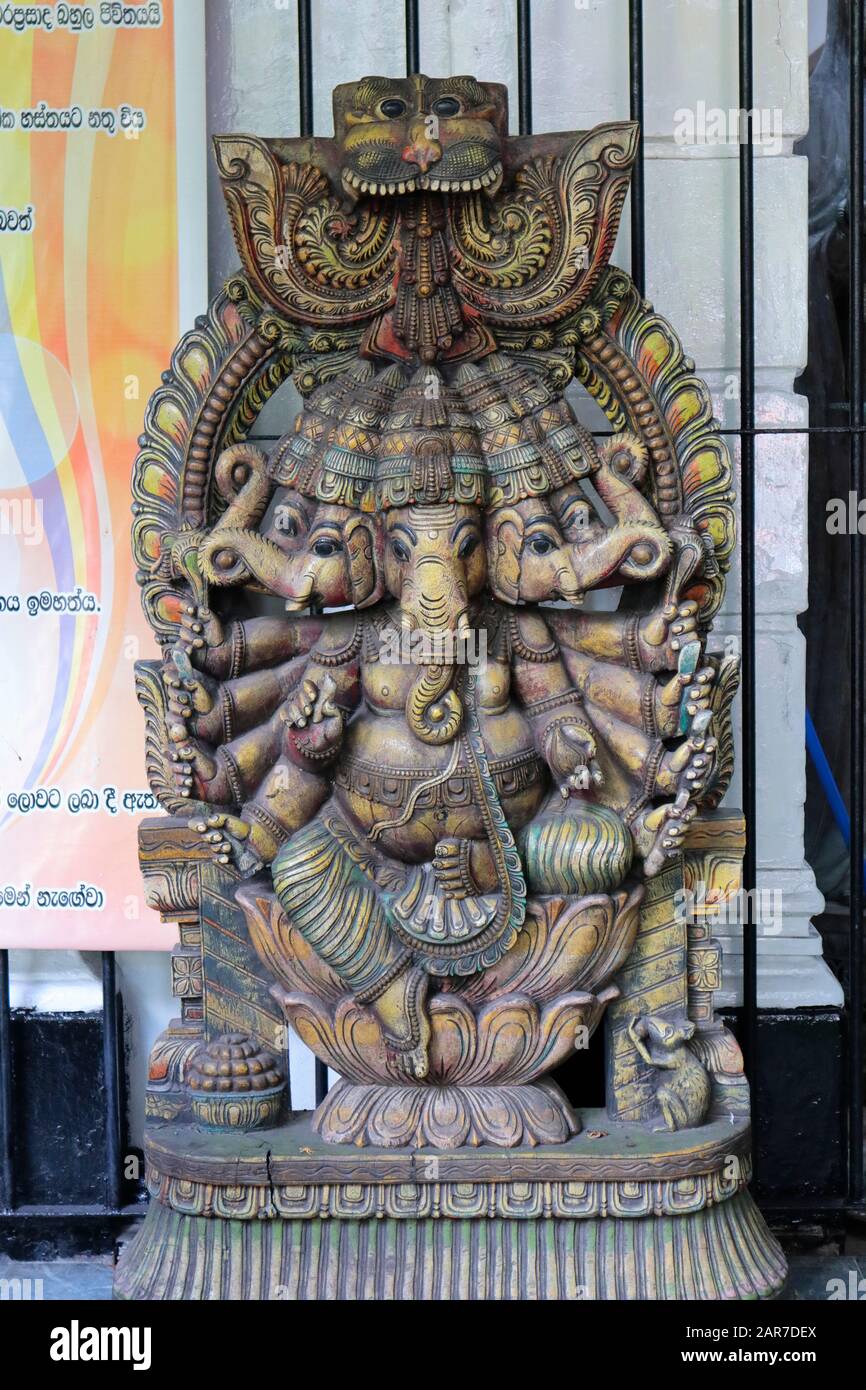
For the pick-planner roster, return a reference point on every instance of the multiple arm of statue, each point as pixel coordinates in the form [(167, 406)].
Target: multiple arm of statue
[(259, 717)]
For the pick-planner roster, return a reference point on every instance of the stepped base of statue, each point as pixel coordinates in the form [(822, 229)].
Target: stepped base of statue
[(617, 1212), (481, 1180)]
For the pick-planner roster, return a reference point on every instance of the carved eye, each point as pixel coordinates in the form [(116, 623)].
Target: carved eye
[(446, 106), (392, 106), (541, 545), (326, 546), (399, 550), (466, 547)]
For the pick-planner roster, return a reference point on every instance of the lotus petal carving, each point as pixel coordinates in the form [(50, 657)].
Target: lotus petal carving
[(445, 1117), (510, 1040), (565, 944), (492, 1036)]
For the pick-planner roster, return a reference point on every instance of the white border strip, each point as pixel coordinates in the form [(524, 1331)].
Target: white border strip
[(191, 159)]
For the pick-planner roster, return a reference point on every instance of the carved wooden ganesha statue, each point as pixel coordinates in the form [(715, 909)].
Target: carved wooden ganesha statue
[(435, 720)]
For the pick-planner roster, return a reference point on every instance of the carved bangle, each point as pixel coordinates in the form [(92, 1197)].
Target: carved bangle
[(630, 643), (651, 770), (239, 650), (227, 714), (373, 992), (343, 655), (636, 805), (648, 707), (564, 697), (319, 755), (522, 648), (277, 832), (233, 775), (465, 868)]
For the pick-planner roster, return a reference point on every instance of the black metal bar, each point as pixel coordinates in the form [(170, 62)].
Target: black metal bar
[(321, 1081), (524, 67), (305, 81), (758, 430), (305, 65), (111, 1076), (71, 1211), (638, 221), (747, 545), (857, 577), (7, 1176), (798, 429), (413, 38)]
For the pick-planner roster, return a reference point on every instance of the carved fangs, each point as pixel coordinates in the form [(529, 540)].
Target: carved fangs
[(489, 182)]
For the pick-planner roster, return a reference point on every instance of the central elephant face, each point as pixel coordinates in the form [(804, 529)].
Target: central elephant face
[(435, 565), (309, 554)]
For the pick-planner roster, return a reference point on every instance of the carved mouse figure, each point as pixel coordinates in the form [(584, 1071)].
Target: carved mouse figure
[(684, 1097)]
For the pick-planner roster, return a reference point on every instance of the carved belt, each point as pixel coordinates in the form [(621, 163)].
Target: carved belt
[(395, 786)]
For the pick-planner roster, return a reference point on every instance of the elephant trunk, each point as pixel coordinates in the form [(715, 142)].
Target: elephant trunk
[(241, 476), (236, 556), (622, 552), (434, 711)]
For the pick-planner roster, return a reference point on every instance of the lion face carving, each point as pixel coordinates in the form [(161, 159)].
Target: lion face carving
[(399, 135)]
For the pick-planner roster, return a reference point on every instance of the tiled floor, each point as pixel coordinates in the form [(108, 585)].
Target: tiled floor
[(811, 1278)]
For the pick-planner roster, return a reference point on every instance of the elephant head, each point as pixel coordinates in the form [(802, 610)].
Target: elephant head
[(528, 558), (244, 480), (311, 553), (636, 546), (557, 547), (435, 566)]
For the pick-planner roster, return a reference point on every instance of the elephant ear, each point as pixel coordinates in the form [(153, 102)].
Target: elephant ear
[(505, 530), (365, 570)]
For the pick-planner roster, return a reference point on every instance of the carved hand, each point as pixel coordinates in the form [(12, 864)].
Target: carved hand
[(310, 703), (224, 834), (197, 772), (570, 750), (202, 635), (314, 723), (697, 690), (662, 634), (190, 693), (452, 869)]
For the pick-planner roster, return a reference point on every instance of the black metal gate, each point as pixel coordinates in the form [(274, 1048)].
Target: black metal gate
[(747, 432)]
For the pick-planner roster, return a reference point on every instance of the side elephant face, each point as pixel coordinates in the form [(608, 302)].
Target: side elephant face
[(528, 557), (330, 556), (629, 550), (289, 519)]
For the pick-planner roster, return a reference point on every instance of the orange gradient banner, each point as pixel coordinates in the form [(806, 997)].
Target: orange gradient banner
[(88, 319)]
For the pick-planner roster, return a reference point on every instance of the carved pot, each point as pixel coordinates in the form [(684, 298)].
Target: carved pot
[(234, 1084)]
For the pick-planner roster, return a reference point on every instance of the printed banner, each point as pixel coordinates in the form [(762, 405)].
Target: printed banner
[(88, 319)]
